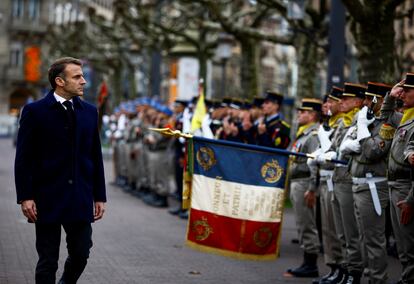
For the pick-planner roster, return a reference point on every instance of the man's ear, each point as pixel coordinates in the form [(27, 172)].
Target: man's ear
[(59, 81)]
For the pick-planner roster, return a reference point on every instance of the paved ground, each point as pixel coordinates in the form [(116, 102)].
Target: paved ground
[(136, 244)]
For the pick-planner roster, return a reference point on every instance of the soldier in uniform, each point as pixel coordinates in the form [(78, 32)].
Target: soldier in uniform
[(272, 130), (368, 169), (333, 255), (344, 210), (303, 187), (400, 173)]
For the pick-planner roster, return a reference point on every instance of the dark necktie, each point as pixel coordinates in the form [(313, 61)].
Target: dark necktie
[(70, 113)]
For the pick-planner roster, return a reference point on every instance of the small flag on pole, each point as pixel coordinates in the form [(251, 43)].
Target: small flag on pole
[(237, 196), (199, 111)]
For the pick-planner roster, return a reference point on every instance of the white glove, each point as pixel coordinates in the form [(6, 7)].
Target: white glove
[(205, 127), (362, 124), (350, 146), (313, 163), (326, 157), (323, 136), (187, 120)]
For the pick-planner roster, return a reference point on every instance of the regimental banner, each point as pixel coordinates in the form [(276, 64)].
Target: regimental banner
[(237, 197)]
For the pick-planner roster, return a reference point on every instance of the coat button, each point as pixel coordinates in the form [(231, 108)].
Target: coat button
[(70, 181)]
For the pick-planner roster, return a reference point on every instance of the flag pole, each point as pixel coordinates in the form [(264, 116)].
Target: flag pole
[(177, 134)]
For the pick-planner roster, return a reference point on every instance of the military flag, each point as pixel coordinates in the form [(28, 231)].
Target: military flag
[(236, 193)]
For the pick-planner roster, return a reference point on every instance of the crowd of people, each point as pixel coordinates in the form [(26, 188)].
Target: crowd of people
[(359, 169)]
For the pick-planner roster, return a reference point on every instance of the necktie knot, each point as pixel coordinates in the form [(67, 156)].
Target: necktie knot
[(68, 105)]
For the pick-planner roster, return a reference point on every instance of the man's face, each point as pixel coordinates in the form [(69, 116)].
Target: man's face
[(332, 105), (270, 107), (408, 97), (73, 82), (305, 117), (349, 103)]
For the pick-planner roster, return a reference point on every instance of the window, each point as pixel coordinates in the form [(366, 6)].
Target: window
[(34, 7), (18, 8), (16, 55)]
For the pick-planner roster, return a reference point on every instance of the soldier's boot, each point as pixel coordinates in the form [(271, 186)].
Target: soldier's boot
[(183, 214), (354, 277), (339, 274), (149, 197), (335, 270), (309, 268), (159, 201), (175, 210)]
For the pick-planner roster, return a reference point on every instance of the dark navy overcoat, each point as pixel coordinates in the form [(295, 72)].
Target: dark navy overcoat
[(64, 176)]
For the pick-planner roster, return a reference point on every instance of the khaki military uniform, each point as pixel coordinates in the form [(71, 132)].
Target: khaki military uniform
[(372, 161), (344, 210), (332, 236), (400, 182), (160, 164), (301, 181)]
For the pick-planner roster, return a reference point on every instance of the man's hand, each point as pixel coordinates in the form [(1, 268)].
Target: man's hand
[(310, 198), (406, 211), (99, 210), (397, 90), (29, 210)]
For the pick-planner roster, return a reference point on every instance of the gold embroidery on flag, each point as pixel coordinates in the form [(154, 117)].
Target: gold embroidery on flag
[(202, 229), (262, 237), (206, 158), (271, 171)]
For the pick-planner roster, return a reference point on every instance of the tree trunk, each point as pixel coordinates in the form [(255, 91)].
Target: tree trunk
[(249, 68), (375, 44), (308, 67)]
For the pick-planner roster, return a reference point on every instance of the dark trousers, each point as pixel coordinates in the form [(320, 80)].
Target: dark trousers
[(78, 243)]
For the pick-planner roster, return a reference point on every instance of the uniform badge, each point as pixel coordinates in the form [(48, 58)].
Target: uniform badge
[(278, 140), (206, 158), (202, 229), (387, 132), (262, 237), (381, 144), (271, 171), (401, 133)]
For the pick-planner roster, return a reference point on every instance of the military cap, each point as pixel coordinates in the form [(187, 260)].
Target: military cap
[(354, 90), (258, 101), (377, 89), (226, 102), (409, 81), (181, 102), (247, 104), (207, 102), (236, 103), (311, 104), (274, 97), (335, 93)]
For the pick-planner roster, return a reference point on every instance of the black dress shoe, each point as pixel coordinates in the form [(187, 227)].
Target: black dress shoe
[(183, 214), (175, 210)]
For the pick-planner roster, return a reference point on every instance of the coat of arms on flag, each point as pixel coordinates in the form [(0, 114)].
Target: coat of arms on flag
[(236, 200)]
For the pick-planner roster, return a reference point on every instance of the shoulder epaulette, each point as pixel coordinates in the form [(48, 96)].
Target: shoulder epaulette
[(387, 131), (285, 123)]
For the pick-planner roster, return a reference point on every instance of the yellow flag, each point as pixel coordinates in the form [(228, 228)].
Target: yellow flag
[(199, 113)]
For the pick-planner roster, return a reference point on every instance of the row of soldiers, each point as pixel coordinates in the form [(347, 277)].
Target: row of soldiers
[(360, 163)]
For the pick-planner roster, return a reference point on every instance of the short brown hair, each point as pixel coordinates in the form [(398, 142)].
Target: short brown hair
[(57, 68)]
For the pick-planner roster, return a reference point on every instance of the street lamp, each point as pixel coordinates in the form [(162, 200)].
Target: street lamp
[(223, 53)]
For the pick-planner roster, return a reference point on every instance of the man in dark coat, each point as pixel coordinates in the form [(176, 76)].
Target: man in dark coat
[(59, 171)]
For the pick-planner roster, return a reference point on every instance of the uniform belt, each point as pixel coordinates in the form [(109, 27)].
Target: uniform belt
[(325, 173), (356, 180)]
